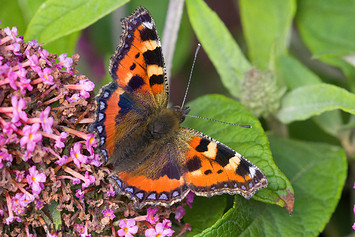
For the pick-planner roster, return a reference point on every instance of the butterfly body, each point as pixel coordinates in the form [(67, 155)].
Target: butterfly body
[(153, 160)]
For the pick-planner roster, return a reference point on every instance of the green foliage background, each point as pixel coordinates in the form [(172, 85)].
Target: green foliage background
[(306, 106)]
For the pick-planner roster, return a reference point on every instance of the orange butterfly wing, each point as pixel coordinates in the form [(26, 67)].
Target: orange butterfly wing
[(157, 180), (139, 84), (212, 168), (137, 66)]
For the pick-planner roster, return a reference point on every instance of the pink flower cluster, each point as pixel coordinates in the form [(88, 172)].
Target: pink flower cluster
[(160, 229), (129, 228), (35, 124), (156, 228)]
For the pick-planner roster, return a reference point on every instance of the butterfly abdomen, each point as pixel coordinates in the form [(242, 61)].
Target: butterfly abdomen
[(158, 129)]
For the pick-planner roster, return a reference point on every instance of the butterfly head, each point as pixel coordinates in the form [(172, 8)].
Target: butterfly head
[(181, 112)]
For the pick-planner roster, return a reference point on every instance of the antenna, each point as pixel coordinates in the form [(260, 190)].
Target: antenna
[(234, 124), (192, 68), (187, 89)]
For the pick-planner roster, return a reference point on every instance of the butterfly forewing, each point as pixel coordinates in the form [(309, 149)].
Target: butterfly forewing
[(138, 64), (213, 168)]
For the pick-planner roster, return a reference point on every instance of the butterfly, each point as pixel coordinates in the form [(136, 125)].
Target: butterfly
[(153, 160)]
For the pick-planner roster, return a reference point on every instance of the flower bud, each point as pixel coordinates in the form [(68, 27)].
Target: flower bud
[(260, 92)]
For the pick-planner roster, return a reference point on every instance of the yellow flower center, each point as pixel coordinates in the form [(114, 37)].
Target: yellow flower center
[(126, 229)]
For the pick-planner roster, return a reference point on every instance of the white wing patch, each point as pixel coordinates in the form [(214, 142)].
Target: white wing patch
[(149, 25)]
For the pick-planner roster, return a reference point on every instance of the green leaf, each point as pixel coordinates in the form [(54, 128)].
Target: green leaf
[(65, 44), (330, 121), (266, 23), (294, 73), (317, 173), (200, 217), (29, 8), (55, 19), (8, 11), (219, 45), (324, 25), (324, 28), (55, 215), (252, 143), (307, 101)]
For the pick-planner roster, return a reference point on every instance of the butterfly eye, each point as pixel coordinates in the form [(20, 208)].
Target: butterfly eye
[(177, 108)]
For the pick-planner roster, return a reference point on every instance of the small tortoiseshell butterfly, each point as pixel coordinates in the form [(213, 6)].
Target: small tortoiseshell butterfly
[(153, 160)]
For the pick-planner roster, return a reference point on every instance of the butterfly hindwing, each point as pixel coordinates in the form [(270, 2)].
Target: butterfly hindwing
[(116, 117), (158, 179)]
